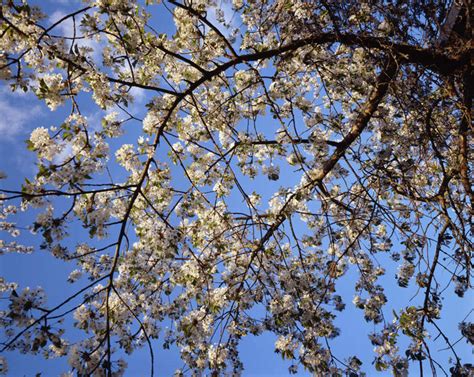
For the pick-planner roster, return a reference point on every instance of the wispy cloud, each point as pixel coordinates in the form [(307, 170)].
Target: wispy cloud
[(66, 29), (63, 2), (17, 117)]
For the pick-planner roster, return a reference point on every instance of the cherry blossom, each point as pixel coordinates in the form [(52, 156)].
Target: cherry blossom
[(281, 148)]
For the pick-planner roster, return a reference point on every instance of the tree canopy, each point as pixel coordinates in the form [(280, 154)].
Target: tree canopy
[(292, 159)]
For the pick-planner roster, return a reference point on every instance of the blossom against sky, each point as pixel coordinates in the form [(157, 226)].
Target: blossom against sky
[(255, 146)]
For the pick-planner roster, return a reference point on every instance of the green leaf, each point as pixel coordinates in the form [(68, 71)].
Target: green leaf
[(29, 145)]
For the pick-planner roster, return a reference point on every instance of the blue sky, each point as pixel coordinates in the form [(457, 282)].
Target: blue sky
[(22, 112)]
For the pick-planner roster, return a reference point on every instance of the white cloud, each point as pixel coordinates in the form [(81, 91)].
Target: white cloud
[(63, 155), (5, 91), (94, 121), (16, 117), (66, 29), (138, 94), (64, 2)]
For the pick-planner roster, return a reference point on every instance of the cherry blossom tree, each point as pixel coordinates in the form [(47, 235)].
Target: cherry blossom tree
[(286, 144)]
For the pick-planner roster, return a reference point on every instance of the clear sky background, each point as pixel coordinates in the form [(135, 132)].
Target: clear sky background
[(22, 112)]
